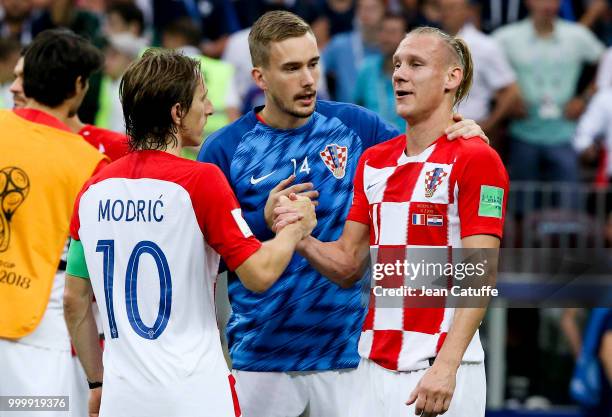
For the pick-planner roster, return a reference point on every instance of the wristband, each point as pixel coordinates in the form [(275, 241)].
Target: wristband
[(94, 385)]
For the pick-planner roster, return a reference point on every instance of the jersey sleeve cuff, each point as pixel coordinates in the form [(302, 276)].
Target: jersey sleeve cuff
[(358, 218), (497, 232), (246, 252)]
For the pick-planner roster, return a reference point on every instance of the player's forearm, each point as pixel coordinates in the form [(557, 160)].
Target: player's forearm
[(467, 320), (333, 260), (465, 323), (84, 334), (570, 329), (605, 354), (86, 342), (261, 271)]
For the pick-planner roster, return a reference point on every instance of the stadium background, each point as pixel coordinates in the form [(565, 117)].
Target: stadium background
[(531, 352)]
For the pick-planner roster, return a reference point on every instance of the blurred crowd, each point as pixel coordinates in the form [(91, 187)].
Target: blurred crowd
[(542, 71)]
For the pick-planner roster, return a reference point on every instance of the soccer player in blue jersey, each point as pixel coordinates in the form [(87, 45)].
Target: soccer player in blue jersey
[(294, 347)]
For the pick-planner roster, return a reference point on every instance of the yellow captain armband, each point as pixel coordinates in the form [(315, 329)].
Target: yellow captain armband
[(76, 265)]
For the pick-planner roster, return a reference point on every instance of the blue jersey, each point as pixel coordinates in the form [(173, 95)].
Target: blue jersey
[(304, 322)]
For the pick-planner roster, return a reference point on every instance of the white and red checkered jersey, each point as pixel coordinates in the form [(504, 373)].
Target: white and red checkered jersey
[(448, 192), (152, 226)]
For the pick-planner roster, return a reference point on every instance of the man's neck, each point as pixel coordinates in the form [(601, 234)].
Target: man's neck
[(278, 119), (174, 150), (60, 113), (544, 27), (75, 124), (420, 134), (174, 147)]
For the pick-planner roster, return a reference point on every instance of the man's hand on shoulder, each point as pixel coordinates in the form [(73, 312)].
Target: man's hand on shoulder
[(465, 128)]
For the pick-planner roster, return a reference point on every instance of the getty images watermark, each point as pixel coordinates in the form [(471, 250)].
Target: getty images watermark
[(433, 277), (412, 271), (446, 277)]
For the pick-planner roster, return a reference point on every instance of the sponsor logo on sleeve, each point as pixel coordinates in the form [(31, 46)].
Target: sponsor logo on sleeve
[(241, 223)]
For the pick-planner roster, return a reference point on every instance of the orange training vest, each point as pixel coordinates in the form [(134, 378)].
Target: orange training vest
[(42, 169)]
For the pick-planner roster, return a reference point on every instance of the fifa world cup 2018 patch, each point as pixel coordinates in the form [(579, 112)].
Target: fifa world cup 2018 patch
[(491, 201), (335, 157), (14, 188)]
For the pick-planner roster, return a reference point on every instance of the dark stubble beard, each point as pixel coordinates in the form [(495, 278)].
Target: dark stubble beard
[(285, 109)]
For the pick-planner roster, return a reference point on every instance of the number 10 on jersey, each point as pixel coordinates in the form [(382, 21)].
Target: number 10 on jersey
[(107, 247)]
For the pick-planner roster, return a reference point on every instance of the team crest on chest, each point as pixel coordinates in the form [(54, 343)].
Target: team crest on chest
[(433, 179), (335, 157)]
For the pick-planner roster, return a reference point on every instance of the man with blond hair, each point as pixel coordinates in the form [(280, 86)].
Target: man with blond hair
[(418, 190)]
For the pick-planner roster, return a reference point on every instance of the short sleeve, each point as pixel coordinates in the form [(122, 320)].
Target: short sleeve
[(482, 183), (592, 123), (503, 37), (360, 209), (604, 72), (75, 224), (590, 47), (220, 218)]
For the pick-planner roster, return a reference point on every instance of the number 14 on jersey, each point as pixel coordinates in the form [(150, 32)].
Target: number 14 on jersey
[(303, 168)]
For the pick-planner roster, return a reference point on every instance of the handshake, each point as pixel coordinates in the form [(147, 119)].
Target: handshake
[(295, 211)]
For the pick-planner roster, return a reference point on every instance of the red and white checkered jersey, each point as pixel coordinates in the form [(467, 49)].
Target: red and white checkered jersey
[(452, 190), (152, 226)]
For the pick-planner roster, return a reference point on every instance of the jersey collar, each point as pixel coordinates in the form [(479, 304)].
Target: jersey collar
[(254, 114), (40, 117)]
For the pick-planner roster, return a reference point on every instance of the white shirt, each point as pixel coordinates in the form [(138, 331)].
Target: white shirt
[(596, 121), (153, 229), (492, 72), (237, 53), (604, 72)]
